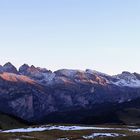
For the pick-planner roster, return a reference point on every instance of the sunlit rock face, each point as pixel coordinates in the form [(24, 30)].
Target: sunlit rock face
[(34, 93)]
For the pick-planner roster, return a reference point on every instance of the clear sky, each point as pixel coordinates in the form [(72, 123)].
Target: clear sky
[(98, 34)]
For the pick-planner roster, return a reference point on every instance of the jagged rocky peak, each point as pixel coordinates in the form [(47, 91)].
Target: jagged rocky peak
[(36, 73), (27, 70), (126, 72), (38, 69), (9, 67), (44, 70), (126, 75), (33, 67), (127, 79), (23, 68), (137, 75)]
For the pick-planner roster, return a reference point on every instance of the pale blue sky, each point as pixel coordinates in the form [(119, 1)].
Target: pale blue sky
[(98, 34)]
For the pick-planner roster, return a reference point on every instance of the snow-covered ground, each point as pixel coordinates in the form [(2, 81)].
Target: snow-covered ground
[(63, 139), (94, 135), (47, 127), (127, 79), (65, 128), (36, 129), (136, 130)]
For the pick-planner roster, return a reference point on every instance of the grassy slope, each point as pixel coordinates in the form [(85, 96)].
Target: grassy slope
[(9, 122), (109, 113), (72, 135), (130, 116)]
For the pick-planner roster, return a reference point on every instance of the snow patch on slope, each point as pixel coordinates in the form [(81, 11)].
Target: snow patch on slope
[(94, 135), (96, 72), (127, 79)]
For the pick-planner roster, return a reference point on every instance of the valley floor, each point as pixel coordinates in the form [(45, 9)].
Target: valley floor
[(72, 132)]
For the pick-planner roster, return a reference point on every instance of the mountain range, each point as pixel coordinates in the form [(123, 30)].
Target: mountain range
[(38, 95)]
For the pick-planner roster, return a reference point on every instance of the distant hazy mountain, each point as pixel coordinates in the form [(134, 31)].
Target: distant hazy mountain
[(39, 95)]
